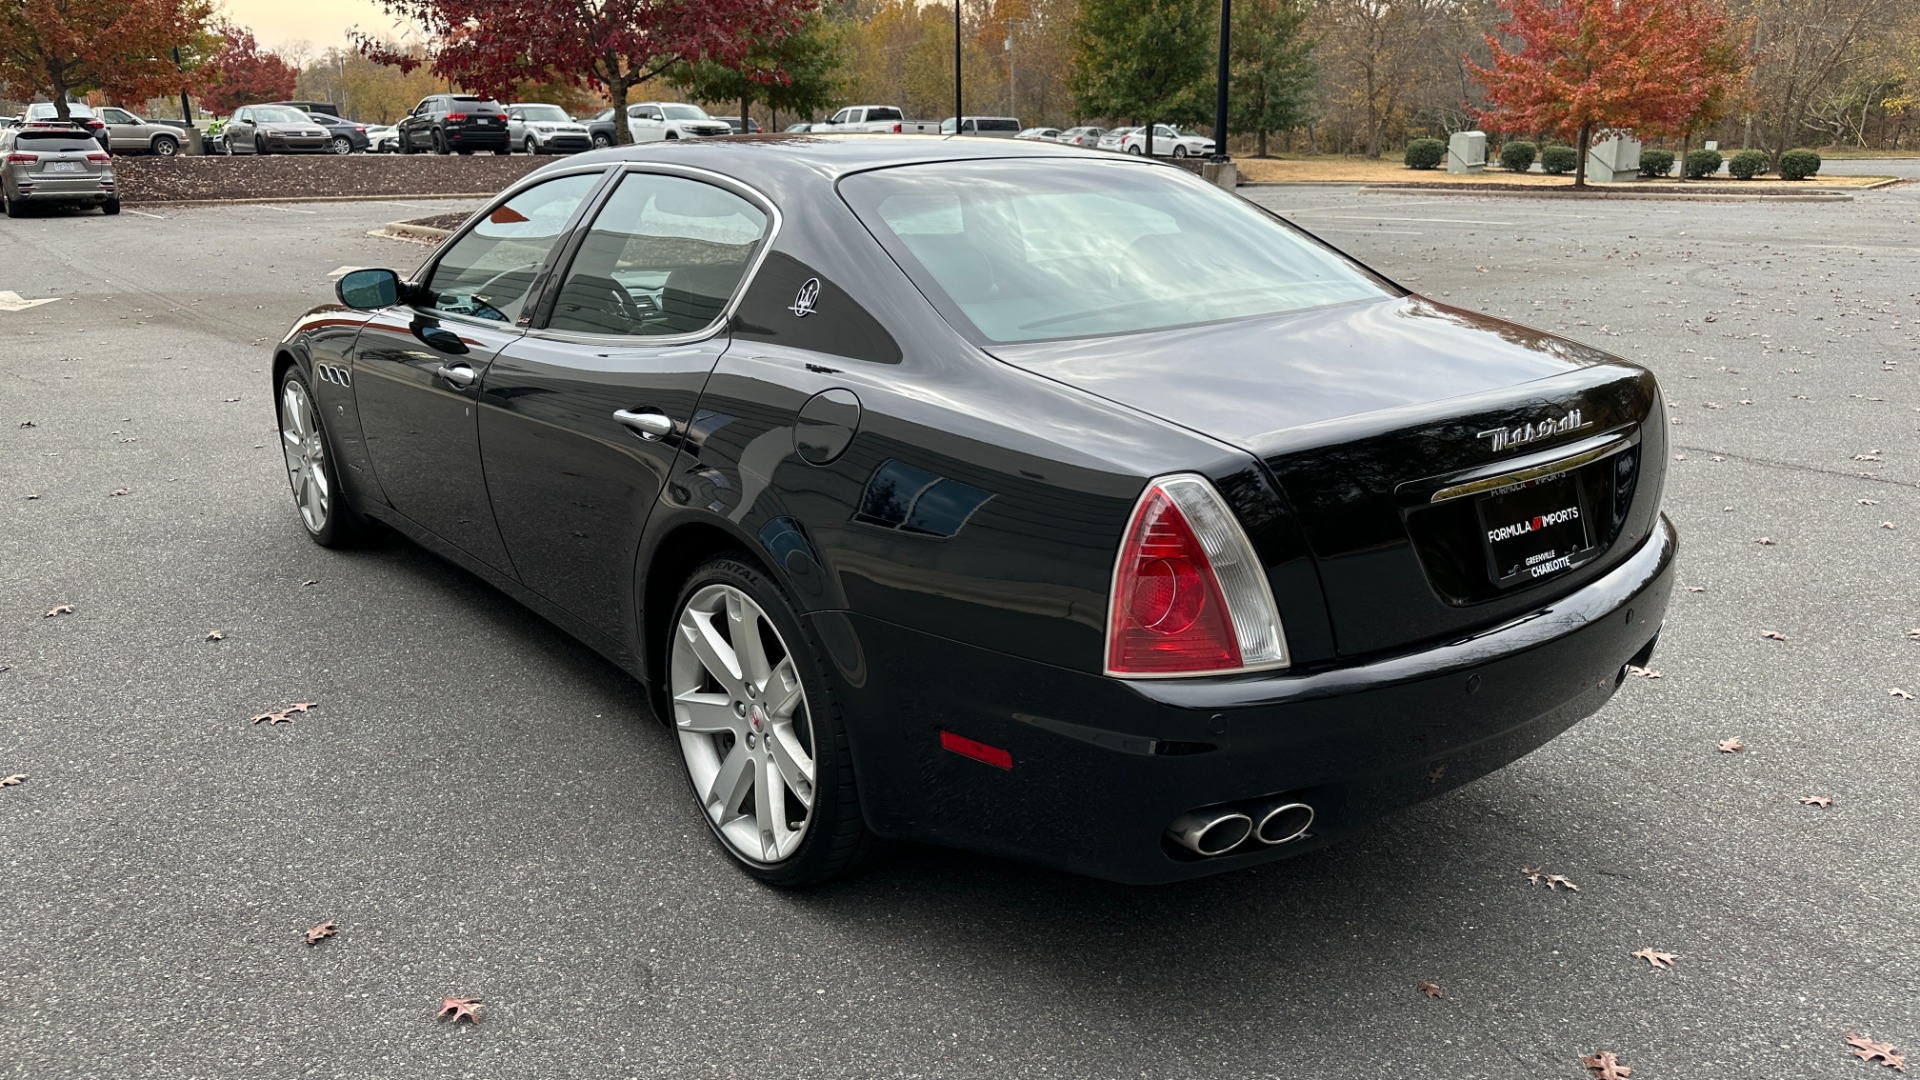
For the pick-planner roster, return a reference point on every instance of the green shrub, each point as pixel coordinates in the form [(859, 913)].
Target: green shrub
[(1518, 156), (1798, 164), (1656, 163), (1747, 164), (1426, 153), (1703, 163), (1559, 160)]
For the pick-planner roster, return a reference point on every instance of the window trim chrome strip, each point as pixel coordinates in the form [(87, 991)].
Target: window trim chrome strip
[(1532, 472)]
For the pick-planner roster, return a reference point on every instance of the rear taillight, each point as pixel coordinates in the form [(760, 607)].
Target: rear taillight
[(359, 129), (1189, 596), (98, 157), (456, 116), (896, 129), (22, 159)]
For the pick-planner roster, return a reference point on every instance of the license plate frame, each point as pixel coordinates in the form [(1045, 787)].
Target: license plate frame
[(1535, 530)]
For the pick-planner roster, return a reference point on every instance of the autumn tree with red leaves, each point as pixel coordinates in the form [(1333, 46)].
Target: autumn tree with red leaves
[(241, 73), (1579, 65), (490, 47), (61, 48)]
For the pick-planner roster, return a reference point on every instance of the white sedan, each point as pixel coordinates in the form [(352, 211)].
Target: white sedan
[(1168, 141)]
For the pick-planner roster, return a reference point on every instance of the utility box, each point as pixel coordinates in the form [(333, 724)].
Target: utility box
[(1614, 159), (1467, 152)]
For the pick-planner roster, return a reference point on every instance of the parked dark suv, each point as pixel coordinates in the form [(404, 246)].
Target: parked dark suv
[(449, 123)]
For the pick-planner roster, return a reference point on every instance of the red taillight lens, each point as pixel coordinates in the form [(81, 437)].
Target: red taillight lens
[(896, 129), (98, 157), (22, 159), (1189, 596), (359, 130), (456, 116)]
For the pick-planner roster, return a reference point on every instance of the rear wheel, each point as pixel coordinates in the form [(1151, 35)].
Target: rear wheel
[(14, 207), (166, 145), (110, 207), (1135, 150), (440, 144), (601, 140), (760, 734), (341, 145), (317, 494)]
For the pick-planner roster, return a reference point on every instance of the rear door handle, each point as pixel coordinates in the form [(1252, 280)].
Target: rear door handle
[(650, 425), (458, 374)]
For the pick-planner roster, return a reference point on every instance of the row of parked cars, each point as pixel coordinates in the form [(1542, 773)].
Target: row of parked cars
[(1168, 140)]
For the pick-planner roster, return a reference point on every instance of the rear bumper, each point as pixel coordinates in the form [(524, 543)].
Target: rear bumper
[(1101, 766), (489, 139), (83, 190)]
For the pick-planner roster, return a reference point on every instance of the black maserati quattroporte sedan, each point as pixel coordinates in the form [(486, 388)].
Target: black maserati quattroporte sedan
[(1004, 495)]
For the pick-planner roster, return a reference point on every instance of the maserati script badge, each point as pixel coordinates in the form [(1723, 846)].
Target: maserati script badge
[(1534, 431), (808, 296)]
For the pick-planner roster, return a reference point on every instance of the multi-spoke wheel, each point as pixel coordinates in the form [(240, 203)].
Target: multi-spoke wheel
[(316, 488), (762, 743)]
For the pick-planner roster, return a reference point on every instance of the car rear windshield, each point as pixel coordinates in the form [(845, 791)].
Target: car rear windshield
[(53, 141), (1041, 250), (884, 114)]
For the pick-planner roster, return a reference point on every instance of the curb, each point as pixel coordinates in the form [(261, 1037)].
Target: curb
[(1627, 196), (305, 199), (406, 230)]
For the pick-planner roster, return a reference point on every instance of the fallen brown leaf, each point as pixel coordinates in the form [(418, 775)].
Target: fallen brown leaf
[(215, 635), (1869, 502), (1655, 958), (283, 716), (1554, 881), (1606, 1065), (1875, 456), (317, 934), (1731, 746), (1764, 541), (63, 609), (1642, 673), (1887, 525), (1533, 873), (1899, 693), (1867, 1050), (310, 581), (469, 1008), (1429, 989), (1696, 588), (1821, 801), (1914, 634), (1773, 635), (118, 491), (13, 781)]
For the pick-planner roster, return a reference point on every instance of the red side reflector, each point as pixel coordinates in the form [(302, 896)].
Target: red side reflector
[(978, 751)]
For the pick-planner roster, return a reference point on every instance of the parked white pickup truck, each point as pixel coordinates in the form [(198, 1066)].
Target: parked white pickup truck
[(886, 119)]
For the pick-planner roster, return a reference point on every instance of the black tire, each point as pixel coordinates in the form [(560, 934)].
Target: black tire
[(343, 526), (406, 144), (14, 207), (532, 148), (671, 136), (601, 141), (165, 146), (503, 151), (260, 146), (1179, 151), (341, 144), (440, 144), (837, 839), (110, 207), (1135, 151)]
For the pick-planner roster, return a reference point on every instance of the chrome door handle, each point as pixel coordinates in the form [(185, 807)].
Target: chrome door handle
[(650, 425), (458, 374)]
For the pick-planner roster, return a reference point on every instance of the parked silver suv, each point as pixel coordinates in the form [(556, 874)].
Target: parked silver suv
[(51, 166), (129, 134)]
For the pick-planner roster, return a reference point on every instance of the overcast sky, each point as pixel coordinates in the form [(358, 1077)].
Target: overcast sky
[(323, 23)]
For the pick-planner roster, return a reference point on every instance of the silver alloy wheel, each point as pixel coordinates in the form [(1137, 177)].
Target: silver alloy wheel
[(306, 451), (342, 145), (744, 729)]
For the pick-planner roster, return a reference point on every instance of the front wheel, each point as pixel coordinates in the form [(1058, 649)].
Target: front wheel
[(166, 146), (601, 140), (317, 494), (1134, 150), (1180, 151), (759, 731), (259, 146), (533, 150), (341, 145)]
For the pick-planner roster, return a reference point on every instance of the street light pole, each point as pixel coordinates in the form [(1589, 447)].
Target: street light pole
[(959, 115), (1220, 91)]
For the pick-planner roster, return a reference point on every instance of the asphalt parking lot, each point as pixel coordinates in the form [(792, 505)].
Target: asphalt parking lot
[(485, 808)]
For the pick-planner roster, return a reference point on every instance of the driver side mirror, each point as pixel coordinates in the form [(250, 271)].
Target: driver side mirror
[(367, 290)]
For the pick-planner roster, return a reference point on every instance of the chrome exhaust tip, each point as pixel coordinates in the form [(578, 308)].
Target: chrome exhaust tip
[(1282, 822), (1210, 832)]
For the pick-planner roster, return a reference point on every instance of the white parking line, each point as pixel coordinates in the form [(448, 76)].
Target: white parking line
[(1435, 220), (143, 213), (1369, 232), (286, 209)]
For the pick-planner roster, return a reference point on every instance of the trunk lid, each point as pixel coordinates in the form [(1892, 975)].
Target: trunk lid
[(1427, 452)]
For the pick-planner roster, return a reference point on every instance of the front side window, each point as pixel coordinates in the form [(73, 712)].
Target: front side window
[(116, 116), (487, 272), (664, 257), (1033, 251), (685, 112)]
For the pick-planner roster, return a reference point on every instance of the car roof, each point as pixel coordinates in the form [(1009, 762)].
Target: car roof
[(829, 156)]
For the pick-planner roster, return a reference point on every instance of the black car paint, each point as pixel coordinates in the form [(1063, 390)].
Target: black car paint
[(986, 614), (428, 128), (339, 128)]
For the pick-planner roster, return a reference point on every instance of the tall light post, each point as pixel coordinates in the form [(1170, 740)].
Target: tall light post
[(959, 114), (1220, 91)]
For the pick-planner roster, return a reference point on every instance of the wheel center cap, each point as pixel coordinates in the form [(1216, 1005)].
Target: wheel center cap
[(754, 717)]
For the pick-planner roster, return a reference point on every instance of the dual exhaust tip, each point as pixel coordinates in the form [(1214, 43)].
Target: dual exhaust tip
[(1220, 829)]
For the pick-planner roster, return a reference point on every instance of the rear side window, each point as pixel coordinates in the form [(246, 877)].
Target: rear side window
[(664, 257), (1033, 251), (996, 125), (884, 114), (487, 272)]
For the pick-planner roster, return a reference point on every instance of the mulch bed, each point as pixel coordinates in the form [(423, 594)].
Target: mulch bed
[(188, 179), (439, 221)]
